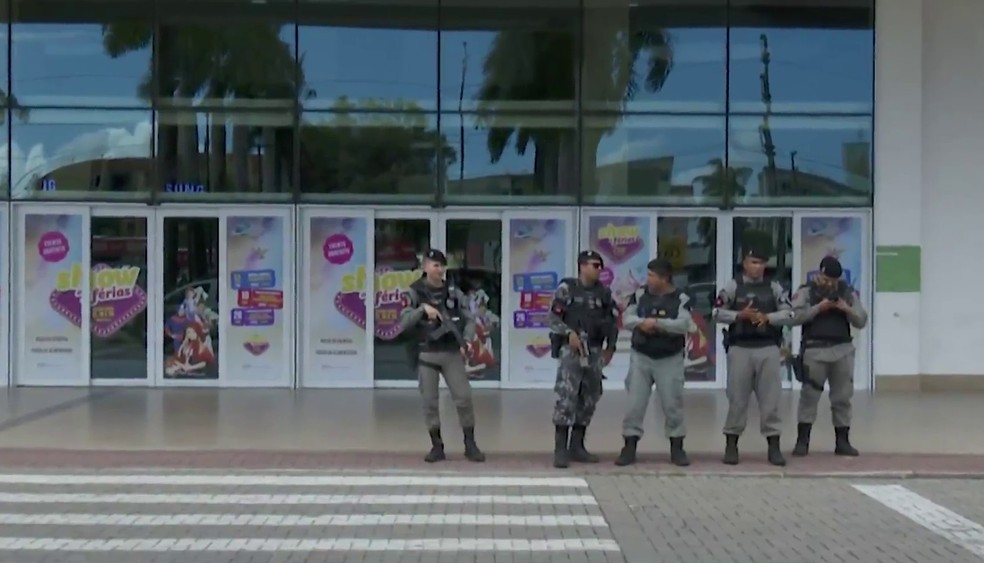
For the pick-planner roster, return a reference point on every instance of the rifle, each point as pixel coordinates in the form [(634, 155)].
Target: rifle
[(448, 324), (800, 370)]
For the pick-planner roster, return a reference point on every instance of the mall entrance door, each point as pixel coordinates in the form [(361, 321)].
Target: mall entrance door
[(128, 295), (357, 261)]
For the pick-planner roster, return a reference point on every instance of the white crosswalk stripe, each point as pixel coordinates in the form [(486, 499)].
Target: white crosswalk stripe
[(180, 516)]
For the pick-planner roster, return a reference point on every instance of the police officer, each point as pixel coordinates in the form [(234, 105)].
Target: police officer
[(827, 307), (582, 318), (439, 348), (755, 310), (659, 317)]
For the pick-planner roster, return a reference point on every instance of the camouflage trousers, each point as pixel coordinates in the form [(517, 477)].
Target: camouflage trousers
[(578, 389)]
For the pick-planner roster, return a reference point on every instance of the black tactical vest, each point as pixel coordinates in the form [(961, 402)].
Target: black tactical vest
[(588, 309), (441, 299), (659, 344), (830, 327), (744, 333)]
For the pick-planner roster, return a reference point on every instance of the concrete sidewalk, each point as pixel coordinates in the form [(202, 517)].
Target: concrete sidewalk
[(898, 434)]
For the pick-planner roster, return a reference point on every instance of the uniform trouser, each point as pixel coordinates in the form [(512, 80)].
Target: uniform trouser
[(452, 366), (578, 389), (834, 364), (753, 370), (667, 374)]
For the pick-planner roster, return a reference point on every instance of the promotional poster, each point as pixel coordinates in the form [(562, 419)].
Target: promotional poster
[(538, 260), (255, 338), (51, 338), (336, 316)]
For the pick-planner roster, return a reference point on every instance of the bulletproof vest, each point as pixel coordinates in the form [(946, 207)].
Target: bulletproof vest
[(588, 308), (831, 326), (429, 333), (659, 344), (760, 295)]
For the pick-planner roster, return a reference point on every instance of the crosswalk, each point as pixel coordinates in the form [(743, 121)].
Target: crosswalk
[(179, 516)]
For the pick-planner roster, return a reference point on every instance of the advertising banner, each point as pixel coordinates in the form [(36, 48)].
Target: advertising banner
[(840, 237), (51, 327), (255, 338), (626, 246), (538, 260), (336, 306)]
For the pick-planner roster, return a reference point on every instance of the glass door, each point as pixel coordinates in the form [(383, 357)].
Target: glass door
[(400, 241), (5, 237), (773, 233), (189, 296), (51, 316), (540, 249), (846, 236), (120, 277), (473, 242)]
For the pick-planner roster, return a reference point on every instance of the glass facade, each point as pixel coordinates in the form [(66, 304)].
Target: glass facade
[(720, 103)]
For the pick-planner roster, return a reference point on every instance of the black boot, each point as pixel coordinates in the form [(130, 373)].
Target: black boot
[(678, 456), (562, 456), (802, 446), (472, 453), (437, 447), (843, 442), (628, 454), (775, 455), (578, 453), (731, 449)]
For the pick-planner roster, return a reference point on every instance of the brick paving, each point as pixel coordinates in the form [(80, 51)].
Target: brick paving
[(817, 464)]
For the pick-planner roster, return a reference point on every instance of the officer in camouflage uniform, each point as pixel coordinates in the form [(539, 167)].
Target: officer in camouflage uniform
[(438, 348), (583, 318)]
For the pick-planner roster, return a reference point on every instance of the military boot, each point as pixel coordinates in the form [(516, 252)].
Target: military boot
[(731, 450), (562, 456), (472, 453), (775, 455), (843, 442), (678, 456), (578, 453), (628, 454), (436, 452), (802, 446)]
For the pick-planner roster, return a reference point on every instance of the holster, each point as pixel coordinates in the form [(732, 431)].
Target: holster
[(800, 370)]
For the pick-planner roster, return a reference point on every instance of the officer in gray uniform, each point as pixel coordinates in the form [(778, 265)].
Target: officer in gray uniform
[(755, 310), (439, 323), (827, 307), (583, 318), (659, 317)]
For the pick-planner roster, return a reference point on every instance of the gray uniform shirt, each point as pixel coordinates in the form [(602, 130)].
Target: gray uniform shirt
[(723, 314), (682, 324), (805, 313), (413, 313)]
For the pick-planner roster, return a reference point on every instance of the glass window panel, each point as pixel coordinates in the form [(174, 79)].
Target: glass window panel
[(501, 157), (382, 157), (232, 53), (672, 160), (212, 155), (82, 52), (820, 58), (69, 154), (364, 51), (654, 55), (512, 55), (817, 160)]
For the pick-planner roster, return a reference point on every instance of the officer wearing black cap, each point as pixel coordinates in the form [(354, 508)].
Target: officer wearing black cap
[(582, 320), (439, 323), (827, 307), (755, 310), (659, 317)]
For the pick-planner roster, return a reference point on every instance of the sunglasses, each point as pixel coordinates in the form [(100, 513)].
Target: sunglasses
[(594, 265)]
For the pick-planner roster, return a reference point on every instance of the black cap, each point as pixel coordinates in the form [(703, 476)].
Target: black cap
[(831, 267), (435, 255), (587, 255), (660, 267), (755, 252)]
